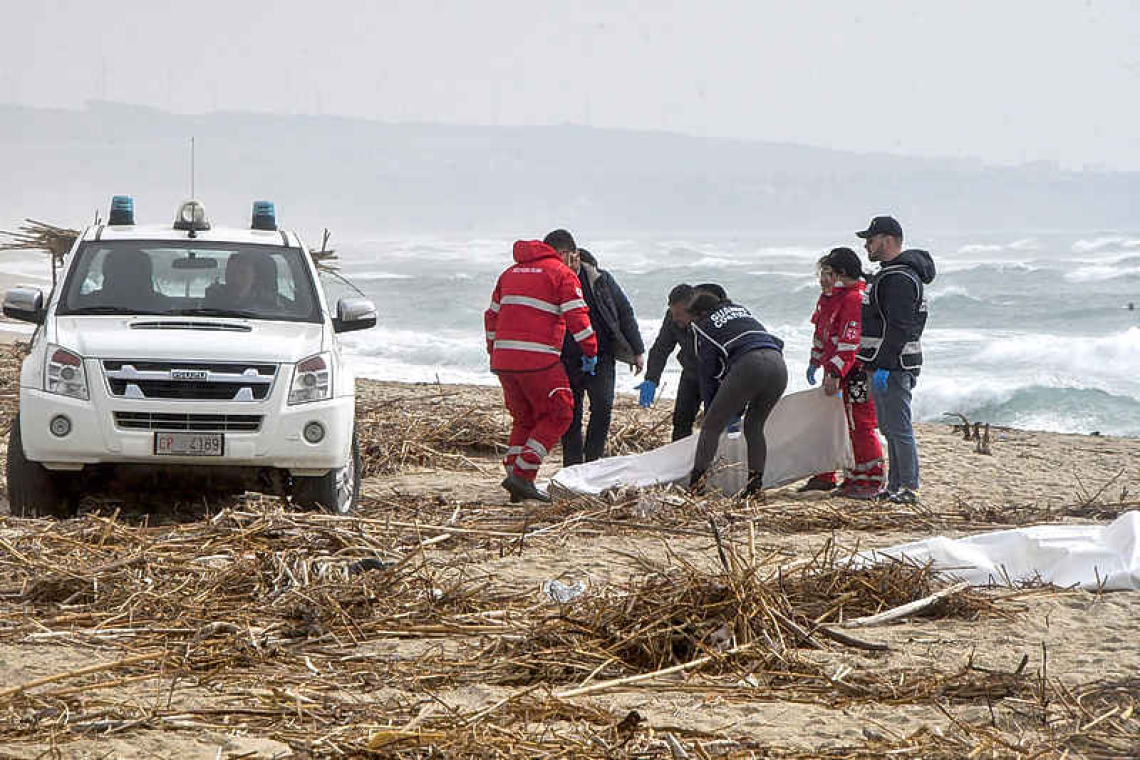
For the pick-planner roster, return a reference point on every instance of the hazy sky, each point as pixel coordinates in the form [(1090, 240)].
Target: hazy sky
[(1003, 80)]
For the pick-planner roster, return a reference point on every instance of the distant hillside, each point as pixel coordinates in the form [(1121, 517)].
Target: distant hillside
[(369, 178)]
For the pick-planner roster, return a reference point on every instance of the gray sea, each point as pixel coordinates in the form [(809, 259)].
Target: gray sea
[(1031, 331)]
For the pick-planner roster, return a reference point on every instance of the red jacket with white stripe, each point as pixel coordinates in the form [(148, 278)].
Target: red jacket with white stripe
[(841, 329), (535, 302), (821, 318)]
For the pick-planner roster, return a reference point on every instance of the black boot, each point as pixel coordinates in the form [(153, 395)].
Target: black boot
[(520, 489), (755, 486)]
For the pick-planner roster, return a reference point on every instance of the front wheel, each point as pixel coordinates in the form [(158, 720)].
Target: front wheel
[(34, 490), (336, 491)]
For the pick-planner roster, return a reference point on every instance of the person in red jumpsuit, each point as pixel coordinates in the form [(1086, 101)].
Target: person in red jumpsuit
[(842, 325), (535, 302), (821, 318)]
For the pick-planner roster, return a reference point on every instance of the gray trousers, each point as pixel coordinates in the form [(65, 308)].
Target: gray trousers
[(758, 379)]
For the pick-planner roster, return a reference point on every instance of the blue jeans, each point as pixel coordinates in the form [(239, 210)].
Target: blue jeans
[(893, 409)]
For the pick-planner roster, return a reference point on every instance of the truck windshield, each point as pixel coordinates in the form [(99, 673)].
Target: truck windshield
[(190, 278)]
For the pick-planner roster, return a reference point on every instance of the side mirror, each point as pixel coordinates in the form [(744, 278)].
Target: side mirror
[(354, 314), (25, 304)]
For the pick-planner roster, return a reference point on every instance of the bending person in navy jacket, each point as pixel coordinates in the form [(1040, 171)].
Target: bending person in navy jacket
[(740, 363)]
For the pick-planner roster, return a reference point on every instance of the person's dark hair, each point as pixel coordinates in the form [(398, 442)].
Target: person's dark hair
[(822, 262), (844, 261), (560, 240), (704, 303), (712, 287), (587, 257), (682, 293)]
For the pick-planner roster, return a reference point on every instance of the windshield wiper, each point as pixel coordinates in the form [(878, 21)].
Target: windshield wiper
[(203, 312), (105, 310)]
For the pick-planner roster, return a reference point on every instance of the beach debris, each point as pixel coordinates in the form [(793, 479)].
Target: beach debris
[(561, 592), (983, 443), (964, 427), (324, 258), (34, 235), (368, 563)]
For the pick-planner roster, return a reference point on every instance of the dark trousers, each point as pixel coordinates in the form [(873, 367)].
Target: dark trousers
[(758, 379), (687, 405), (599, 388)]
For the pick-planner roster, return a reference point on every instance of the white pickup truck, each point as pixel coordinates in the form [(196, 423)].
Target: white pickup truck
[(185, 358)]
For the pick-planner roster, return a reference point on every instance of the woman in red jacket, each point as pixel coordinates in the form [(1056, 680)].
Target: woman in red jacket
[(838, 321)]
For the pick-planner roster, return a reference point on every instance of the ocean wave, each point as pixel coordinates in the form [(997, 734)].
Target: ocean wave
[(1089, 360), (380, 276), (1031, 407), (1096, 244), (951, 291), (1026, 244), (969, 266), (460, 349), (1101, 272)]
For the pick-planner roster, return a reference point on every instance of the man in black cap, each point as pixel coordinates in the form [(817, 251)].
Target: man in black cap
[(894, 315)]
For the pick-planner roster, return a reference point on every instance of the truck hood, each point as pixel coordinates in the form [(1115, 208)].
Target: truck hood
[(189, 338)]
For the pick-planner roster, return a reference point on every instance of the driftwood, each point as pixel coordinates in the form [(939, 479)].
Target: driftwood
[(906, 609), (34, 235)]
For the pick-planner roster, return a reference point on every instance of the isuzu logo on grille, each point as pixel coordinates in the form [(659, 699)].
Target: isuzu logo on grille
[(189, 374)]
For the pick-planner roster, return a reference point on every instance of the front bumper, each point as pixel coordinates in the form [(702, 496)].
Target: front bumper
[(95, 438)]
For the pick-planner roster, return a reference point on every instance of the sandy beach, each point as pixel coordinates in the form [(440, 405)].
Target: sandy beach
[(431, 656)]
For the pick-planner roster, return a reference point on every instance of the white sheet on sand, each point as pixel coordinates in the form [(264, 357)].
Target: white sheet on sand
[(806, 433), (1089, 556)]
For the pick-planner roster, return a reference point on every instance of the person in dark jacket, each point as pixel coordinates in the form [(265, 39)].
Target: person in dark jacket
[(619, 339), (675, 332), (739, 364), (894, 315)]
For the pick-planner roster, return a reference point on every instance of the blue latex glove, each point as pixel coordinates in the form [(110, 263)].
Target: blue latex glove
[(879, 379), (812, 369), (648, 390), (590, 365), (734, 424)]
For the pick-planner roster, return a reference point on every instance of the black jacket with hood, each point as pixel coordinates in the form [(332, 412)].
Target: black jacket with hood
[(611, 314), (894, 313)]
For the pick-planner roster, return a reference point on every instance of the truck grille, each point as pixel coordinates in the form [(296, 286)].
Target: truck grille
[(196, 381), (207, 423)]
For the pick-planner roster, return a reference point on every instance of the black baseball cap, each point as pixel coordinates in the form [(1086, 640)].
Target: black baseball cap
[(882, 225)]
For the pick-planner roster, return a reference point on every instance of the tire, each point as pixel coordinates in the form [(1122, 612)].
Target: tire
[(337, 491), (34, 490)]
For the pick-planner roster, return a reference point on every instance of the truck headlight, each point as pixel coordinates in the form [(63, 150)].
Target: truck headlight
[(312, 380), (63, 373)]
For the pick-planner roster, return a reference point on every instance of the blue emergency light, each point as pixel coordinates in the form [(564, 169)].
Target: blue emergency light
[(122, 210), (264, 216)]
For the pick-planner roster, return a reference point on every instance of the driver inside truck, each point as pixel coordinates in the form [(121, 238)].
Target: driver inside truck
[(251, 281), (128, 281)]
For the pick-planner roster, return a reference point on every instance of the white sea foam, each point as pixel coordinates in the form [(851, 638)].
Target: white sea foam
[(1100, 273), (1107, 362), (380, 276), (936, 294), (1026, 244), (1085, 246)]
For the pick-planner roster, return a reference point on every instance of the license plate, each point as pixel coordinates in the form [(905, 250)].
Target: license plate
[(189, 444)]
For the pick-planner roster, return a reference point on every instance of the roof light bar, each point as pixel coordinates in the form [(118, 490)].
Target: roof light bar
[(264, 216), (191, 216), (122, 210)]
